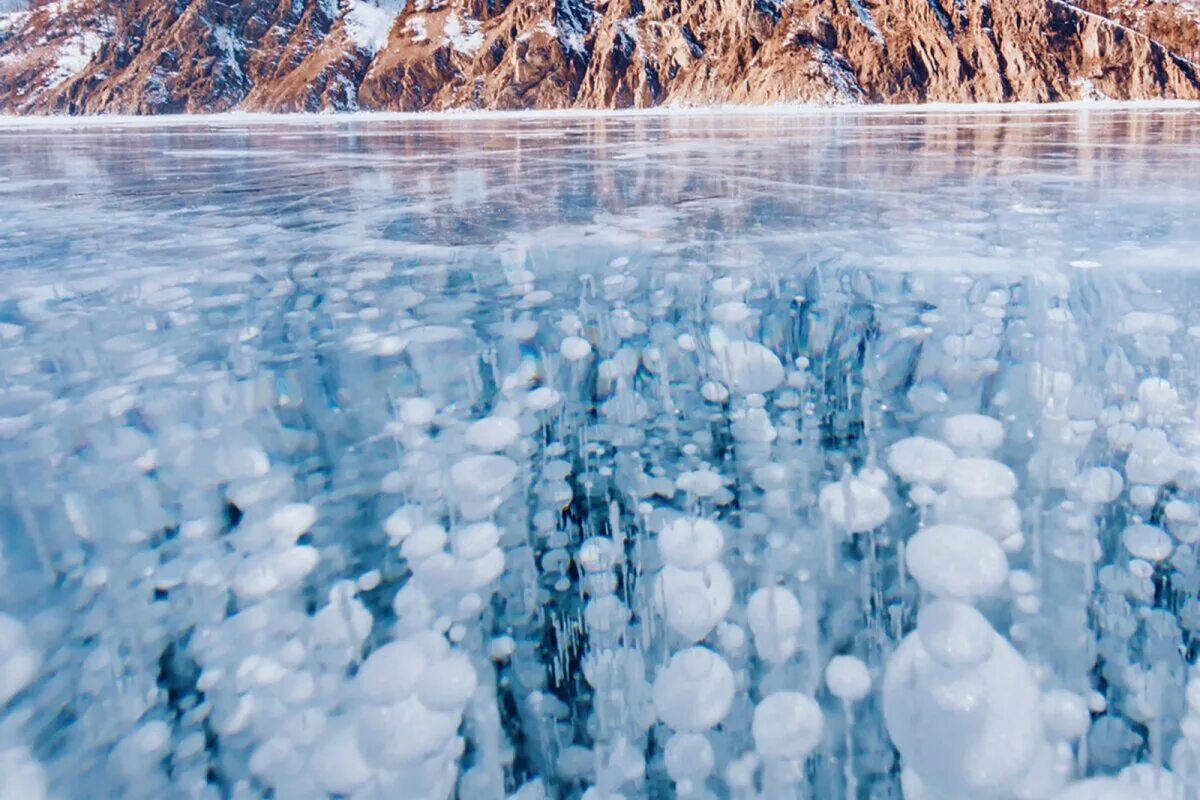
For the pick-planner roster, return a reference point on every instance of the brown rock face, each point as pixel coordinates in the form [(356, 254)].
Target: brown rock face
[(158, 56)]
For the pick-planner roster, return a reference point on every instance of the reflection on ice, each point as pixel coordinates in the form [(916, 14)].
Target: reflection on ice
[(812, 457)]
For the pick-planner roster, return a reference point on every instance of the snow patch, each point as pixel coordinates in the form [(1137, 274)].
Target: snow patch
[(572, 40), (230, 47), (368, 22), (573, 19), (73, 56), (1088, 90), (417, 30), (843, 83), (12, 20), (629, 27), (462, 35), (868, 21)]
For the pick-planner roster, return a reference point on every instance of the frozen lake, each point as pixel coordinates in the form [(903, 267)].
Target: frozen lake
[(802, 455)]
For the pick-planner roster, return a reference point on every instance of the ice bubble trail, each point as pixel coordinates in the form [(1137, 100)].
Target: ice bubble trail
[(642, 490)]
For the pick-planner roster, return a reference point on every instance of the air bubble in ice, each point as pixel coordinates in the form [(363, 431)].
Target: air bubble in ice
[(955, 561), (693, 601), (848, 678), (491, 434), (854, 505), (1147, 542), (981, 479), (747, 367), (955, 634), (774, 616), (787, 725), (694, 691), (690, 543), (973, 434), (920, 460)]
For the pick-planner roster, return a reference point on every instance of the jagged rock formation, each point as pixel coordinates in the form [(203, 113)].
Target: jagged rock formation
[(159, 56)]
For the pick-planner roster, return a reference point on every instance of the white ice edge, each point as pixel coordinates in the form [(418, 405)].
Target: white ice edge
[(8, 121)]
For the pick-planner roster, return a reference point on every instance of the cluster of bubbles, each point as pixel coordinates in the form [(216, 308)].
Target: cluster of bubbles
[(414, 531)]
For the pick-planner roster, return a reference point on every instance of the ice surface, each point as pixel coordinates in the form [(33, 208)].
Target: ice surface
[(816, 455)]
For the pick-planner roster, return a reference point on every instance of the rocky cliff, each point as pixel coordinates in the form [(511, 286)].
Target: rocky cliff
[(158, 56)]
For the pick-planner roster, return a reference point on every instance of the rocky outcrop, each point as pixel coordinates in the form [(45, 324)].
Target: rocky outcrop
[(159, 56)]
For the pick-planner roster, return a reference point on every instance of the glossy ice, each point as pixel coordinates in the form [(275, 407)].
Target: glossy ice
[(797, 455)]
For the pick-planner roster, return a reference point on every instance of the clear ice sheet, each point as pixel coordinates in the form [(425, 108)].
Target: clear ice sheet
[(749, 456)]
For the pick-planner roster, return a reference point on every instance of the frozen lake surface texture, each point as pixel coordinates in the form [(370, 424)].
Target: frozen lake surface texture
[(826, 455)]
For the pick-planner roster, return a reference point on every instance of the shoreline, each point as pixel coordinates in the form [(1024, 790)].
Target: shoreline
[(16, 121)]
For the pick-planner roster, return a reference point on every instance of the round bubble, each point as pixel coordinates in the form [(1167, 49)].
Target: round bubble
[(920, 460), (973, 434), (955, 561), (694, 691), (981, 479), (748, 367), (848, 678), (787, 725), (854, 505), (690, 543)]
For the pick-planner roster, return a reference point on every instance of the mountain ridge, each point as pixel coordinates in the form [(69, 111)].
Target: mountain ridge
[(152, 57)]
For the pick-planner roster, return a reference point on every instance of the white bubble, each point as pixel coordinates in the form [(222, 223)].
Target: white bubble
[(18, 661), (543, 398), (402, 522), (955, 634), (391, 672), (688, 756), (483, 475), (1138, 782), (955, 561), (23, 777), (417, 411), (472, 541), (573, 348), (337, 764), (599, 554), (1147, 541), (1099, 485), (775, 617), (1022, 581), (1157, 396), (973, 434), (492, 433), (848, 678), (1066, 714), (432, 334), (693, 602), (981, 479), (854, 504), (399, 734), (690, 543), (731, 286), (701, 482), (694, 691), (290, 521), (965, 732), (448, 684), (748, 367), (787, 725), (1152, 459), (733, 312)]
